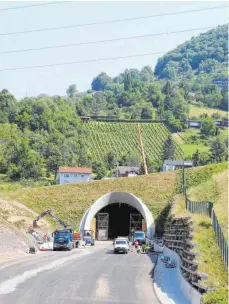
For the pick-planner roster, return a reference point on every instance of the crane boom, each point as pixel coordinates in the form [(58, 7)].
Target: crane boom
[(50, 213), (142, 149)]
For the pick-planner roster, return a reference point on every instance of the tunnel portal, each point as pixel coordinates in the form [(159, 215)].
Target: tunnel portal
[(117, 220)]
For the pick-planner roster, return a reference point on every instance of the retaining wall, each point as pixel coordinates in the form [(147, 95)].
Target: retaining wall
[(191, 294)]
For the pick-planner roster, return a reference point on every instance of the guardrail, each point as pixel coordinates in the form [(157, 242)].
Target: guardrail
[(207, 209)]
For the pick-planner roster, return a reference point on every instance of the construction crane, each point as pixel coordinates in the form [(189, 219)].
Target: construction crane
[(50, 213), (142, 149)]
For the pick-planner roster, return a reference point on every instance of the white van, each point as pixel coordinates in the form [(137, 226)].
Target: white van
[(121, 245)]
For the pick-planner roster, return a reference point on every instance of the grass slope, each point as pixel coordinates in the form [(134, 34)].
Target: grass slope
[(214, 190), (72, 200), (209, 258), (197, 111), (122, 138)]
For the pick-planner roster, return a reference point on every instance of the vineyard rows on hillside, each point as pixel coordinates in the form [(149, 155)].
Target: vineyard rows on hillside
[(121, 138)]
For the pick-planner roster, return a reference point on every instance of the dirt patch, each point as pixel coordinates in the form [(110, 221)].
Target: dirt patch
[(15, 221), (178, 138)]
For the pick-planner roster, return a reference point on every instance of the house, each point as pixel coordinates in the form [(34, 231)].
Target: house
[(170, 165), (68, 175), (194, 124), (126, 171)]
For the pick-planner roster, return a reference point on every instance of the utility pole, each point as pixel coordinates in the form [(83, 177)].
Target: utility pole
[(142, 149), (183, 180)]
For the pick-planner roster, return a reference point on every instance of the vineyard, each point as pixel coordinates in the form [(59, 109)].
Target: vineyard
[(121, 138)]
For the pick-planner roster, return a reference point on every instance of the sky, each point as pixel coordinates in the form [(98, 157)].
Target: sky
[(55, 80)]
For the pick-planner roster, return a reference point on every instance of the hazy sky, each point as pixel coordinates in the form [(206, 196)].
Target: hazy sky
[(55, 80)]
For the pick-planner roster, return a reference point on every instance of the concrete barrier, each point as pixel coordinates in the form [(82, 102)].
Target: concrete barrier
[(170, 285)]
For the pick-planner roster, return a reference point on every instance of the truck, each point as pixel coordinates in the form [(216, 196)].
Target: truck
[(139, 236), (63, 239)]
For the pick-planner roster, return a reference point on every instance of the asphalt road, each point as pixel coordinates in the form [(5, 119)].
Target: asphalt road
[(82, 276)]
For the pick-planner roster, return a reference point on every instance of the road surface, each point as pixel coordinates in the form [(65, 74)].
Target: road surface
[(82, 276)]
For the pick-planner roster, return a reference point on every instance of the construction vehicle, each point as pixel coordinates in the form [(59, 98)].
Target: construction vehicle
[(139, 236), (87, 236), (50, 213), (63, 239)]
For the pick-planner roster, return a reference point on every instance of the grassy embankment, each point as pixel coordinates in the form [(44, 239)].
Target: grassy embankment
[(72, 200), (209, 259), (211, 185), (214, 190)]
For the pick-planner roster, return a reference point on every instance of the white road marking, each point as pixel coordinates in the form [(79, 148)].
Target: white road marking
[(11, 284), (102, 288)]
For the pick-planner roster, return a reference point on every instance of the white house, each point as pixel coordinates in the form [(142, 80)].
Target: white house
[(68, 175), (170, 165)]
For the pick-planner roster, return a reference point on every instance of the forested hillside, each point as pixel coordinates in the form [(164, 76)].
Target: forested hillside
[(39, 134), (203, 62)]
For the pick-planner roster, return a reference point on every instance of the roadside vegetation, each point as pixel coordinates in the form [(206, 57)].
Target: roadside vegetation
[(209, 259), (214, 190)]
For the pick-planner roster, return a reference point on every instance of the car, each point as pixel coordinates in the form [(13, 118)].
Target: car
[(121, 245), (124, 238)]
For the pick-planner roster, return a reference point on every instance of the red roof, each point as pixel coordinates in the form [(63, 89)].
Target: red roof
[(75, 170)]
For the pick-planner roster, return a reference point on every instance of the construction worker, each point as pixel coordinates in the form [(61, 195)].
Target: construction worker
[(45, 237)]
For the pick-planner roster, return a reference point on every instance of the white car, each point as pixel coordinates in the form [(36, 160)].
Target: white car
[(121, 245)]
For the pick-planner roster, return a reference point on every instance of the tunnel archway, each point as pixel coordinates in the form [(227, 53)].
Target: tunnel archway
[(123, 198)]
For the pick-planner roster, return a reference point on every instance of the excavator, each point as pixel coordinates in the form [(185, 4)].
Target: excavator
[(52, 214), (62, 238)]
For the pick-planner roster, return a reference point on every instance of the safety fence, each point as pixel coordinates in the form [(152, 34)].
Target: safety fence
[(207, 209)]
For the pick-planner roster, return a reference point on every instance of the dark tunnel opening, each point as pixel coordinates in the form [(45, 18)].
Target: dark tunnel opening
[(120, 218)]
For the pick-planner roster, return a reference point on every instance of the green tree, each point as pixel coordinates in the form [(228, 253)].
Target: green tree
[(127, 81), (169, 148), (71, 91), (218, 149), (146, 113), (8, 107), (99, 169), (208, 127), (110, 160), (101, 82), (196, 158)]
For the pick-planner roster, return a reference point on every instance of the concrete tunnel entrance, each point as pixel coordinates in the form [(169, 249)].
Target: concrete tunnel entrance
[(115, 212), (117, 220)]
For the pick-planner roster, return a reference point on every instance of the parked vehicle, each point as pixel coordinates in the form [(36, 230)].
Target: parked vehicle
[(121, 245), (88, 237), (139, 236), (63, 240)]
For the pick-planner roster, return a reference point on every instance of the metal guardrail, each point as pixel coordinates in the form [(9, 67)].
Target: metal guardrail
[(207, 209)]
